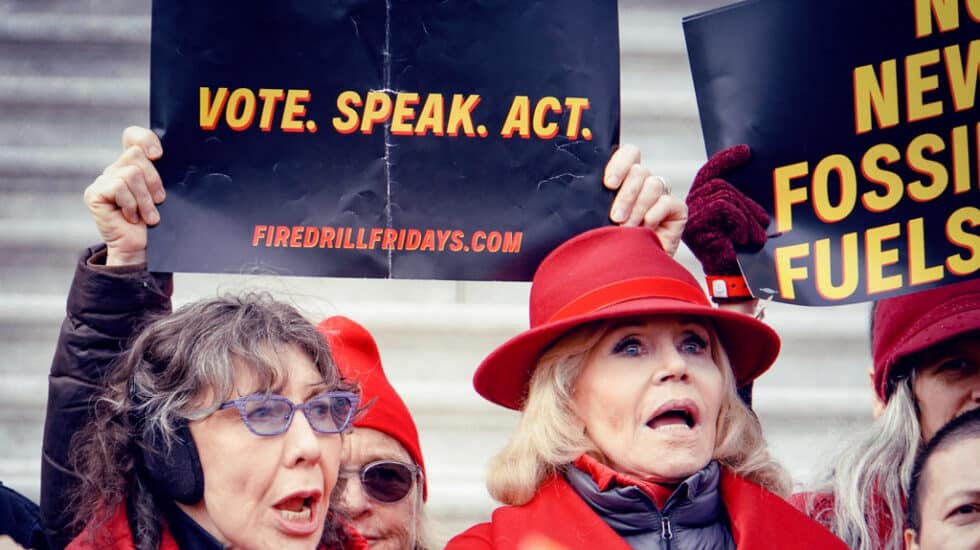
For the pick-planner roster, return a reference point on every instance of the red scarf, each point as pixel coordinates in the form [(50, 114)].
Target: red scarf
[(604, 477)]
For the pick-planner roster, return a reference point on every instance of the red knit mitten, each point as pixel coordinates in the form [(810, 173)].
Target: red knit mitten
[(722, 219)]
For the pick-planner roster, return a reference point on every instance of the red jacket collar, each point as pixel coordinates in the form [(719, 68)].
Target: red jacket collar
[(604, 477)]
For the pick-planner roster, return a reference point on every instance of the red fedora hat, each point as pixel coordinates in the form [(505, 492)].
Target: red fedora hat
[(609, 273)]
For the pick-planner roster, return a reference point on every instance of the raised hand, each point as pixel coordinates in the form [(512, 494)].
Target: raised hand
[(123, 200), (721, 218), (643, 198)]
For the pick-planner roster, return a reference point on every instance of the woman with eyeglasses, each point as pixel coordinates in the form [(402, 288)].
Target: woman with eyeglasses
[(632, 434), (220, 427), (382, 486)]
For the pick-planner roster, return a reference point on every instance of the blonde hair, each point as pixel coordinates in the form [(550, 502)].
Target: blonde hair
[(550, 435)]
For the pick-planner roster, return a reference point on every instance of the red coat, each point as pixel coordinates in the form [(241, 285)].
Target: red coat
[(876, 515), (558, 519), (117, 536)]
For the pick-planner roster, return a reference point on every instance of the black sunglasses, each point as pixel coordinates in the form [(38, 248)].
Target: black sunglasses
[(384, 480)]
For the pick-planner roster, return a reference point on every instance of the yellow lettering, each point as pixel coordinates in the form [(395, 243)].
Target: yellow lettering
[(269, 97), (947, 16), (294, 110), (241, 109), (963, 78), (877, 258), (849, 267), (785, 196), (346, 102), (847, 179), (460, 115), (870, 95), (542, 130), (431, 117), (377, 109), (786, 273), (518, 118), (404, 112), (211, 110), (918, 272), (936, 170), (916, 85), (955, 232), (892, 182), (575, 107), (962, 178)]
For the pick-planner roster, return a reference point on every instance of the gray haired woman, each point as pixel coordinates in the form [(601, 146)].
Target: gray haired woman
[(219, 427), (926, 351)]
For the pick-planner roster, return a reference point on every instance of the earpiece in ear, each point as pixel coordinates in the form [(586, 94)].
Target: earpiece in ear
[(174, 473)]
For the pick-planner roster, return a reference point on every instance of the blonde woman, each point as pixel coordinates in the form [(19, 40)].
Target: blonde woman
[(632, 434)]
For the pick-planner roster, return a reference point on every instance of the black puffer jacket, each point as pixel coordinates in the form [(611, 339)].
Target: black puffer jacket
[(106, 305), (20, 519)]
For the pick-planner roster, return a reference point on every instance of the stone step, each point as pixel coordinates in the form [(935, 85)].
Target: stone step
[(76, 7), (75, 44), (49, 206), (67, 112), (72, 28), (53, 169)]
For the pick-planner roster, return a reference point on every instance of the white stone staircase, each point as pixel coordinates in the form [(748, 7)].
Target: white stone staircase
[(73, 73)]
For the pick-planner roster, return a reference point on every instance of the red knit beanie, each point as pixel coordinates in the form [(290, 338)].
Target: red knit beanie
[(357, 357), (911, 323)]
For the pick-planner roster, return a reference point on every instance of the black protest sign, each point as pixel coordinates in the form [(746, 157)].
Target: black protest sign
[(863, 125), (455, 140)]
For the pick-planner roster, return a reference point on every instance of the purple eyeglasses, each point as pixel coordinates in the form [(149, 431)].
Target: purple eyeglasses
[(328, 413)]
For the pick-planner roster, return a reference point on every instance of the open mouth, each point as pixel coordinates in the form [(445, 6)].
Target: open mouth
[(675, 415), (297, 507)]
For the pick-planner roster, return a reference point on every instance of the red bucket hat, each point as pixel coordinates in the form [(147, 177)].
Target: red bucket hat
[(911, 323), (357, 357), (609, 273)]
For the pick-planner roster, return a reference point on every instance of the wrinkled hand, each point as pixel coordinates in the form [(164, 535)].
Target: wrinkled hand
[(123, 200), (722, 218), (643, 198)]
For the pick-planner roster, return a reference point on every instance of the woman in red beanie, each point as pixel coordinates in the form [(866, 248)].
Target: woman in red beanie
[(632, 434), (926, 353), (382, 485)]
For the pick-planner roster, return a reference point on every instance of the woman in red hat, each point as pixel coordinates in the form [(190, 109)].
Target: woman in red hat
[(382, 486), (632, 434), (926, 353)]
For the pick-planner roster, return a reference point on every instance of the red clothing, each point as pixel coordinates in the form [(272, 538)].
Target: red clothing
[(116, 535), (876, 515), (604, 477), (557, 515)]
